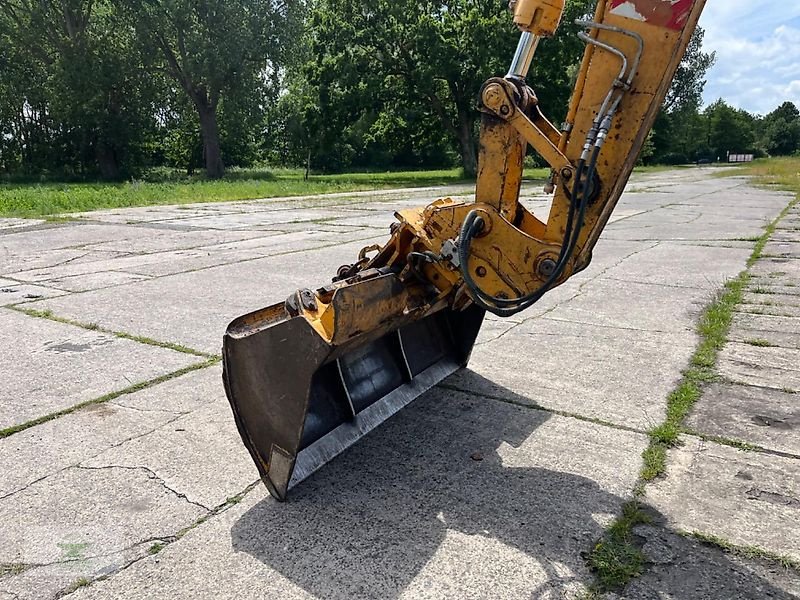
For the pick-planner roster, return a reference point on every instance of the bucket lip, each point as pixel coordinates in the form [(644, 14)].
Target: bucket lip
[(256, 321), (322, 451)]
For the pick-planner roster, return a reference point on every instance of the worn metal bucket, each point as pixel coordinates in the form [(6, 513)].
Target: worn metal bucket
[(300, 400)]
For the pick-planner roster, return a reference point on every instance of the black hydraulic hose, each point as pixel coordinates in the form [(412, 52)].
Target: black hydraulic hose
[(570, 241), (507, 307)]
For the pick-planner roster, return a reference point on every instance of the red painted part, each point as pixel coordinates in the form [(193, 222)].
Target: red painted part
[(664, 13)]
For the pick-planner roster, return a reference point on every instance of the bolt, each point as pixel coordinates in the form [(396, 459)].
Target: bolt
[(308, 300), (547, 267), (481, 271), (504, 110), (566, 174)]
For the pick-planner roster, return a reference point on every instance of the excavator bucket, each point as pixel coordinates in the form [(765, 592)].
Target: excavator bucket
[(299, 400), (308, 378)]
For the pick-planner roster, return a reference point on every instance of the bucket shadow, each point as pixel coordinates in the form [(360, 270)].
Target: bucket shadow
[(410, 511)]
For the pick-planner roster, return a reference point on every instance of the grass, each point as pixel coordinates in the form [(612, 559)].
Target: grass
[(616, 559), (156, 548), (76, 585), (725, 441), (11, 569), (52, 198), (762, 290), (748, 552), (760, 343), (713, 329)]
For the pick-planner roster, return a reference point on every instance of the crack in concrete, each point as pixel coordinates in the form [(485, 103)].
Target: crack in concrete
[(177, 417), (153, 475), (578, 292), (32, 483), (222, 508), (200, 269), (659, 284), (606, 326), (683, 202), (738, 444)]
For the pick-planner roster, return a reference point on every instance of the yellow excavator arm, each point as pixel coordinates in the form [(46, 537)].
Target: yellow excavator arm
[(307, 378)]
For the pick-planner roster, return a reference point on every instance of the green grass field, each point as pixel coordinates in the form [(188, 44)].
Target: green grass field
[(782, 173), (31, 200), (49, 199), (46, 199)]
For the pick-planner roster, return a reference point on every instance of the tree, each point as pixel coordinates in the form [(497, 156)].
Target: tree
[(215, 49), (689, 81), (730, 130), (680, 131), (82, 98), (780, 130), (429, 56)]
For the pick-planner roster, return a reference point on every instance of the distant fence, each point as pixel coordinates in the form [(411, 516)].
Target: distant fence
[(740, 158)]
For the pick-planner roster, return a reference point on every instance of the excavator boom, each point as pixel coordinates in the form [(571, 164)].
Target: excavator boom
[(307, 378)]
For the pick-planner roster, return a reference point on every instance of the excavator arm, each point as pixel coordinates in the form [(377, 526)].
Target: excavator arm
[(307, 378)]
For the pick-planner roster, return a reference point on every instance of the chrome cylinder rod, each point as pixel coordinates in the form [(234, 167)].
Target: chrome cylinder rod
[(524, 55)]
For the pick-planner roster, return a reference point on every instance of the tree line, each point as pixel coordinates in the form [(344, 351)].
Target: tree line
[(111, 88)]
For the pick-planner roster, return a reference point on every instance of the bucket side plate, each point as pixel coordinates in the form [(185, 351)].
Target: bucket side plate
[(299, 401)]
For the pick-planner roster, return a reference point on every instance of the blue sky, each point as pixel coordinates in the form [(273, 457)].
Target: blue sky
[(758, 52)]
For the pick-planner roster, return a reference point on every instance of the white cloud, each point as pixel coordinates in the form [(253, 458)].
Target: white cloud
[(758, 53)]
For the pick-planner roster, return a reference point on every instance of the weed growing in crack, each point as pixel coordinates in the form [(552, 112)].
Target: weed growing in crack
[(9, 431), (713, 328), (11, 569), (760, 343), (616, 559), (76, 585), (49, 315), (156, 548), (749, 552)]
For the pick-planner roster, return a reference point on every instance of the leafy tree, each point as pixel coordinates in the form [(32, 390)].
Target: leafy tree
[(781, 130), (429, 56), (81, 97), (729, 130), (687, 87), (216, 50), (680, 132)]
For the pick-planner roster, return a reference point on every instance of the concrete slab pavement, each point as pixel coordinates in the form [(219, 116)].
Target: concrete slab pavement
[(741, 484), (747, 498), (49, 366), (472, 491), (409, 513), (91, 492), (681, 568), (761, 416)]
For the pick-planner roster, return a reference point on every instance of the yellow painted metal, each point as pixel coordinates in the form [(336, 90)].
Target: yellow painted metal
[(540, 17), (506, 258)]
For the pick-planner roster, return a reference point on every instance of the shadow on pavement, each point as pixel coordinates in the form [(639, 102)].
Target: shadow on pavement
[(409, 510)]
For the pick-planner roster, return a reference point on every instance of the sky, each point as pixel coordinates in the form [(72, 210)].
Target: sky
[(758, 52)]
